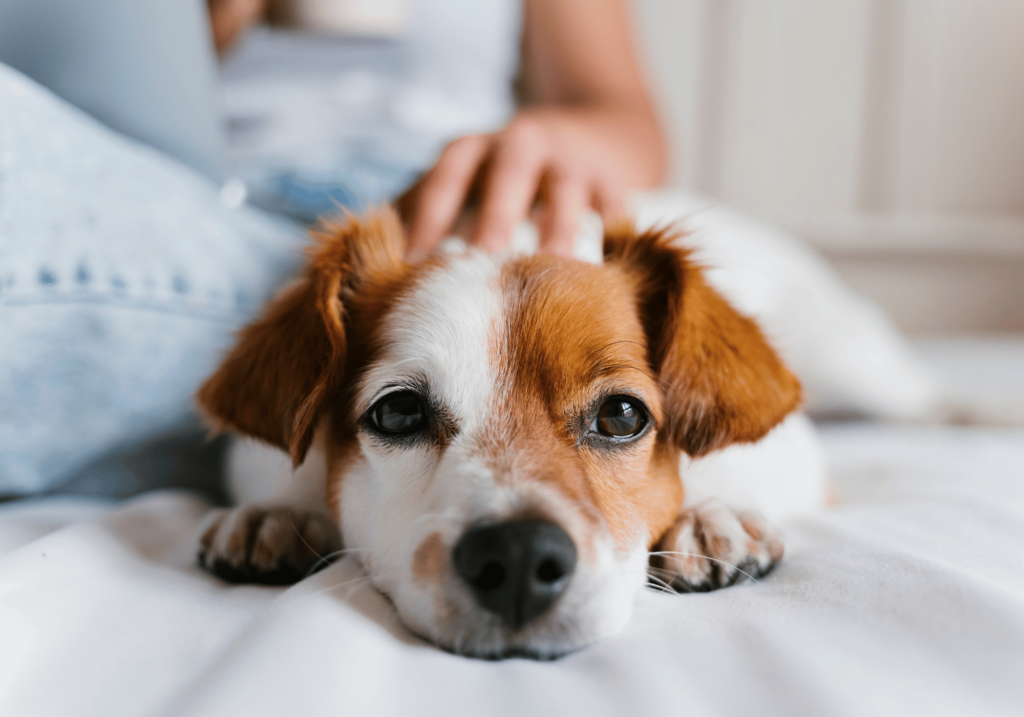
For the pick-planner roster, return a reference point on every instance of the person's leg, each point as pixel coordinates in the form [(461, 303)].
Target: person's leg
[(122, 279)]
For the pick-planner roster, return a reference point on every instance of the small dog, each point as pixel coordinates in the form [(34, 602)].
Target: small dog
[(498, 438)]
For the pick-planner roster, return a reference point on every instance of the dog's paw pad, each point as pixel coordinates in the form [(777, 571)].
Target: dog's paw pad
[(712, 546), (269, 545)]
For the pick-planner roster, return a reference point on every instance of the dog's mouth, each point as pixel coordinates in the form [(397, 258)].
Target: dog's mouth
[(497, 645), (510, 651), (478, 636)]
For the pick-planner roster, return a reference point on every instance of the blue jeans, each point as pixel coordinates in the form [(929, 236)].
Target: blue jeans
[(122, 279)]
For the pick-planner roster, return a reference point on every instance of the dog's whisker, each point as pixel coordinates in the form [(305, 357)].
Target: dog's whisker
[(322, 558), (330, 557), (664, 574), (660, 589), (664, 571), (359, 580), (662, 586), (313, 550), (737, 568), (358, 583)]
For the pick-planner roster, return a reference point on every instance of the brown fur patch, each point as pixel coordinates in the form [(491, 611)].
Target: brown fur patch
[(722, 381), (429, 558)]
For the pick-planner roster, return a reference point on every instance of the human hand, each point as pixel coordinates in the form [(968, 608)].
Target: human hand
[(228, 18), (561, 159)]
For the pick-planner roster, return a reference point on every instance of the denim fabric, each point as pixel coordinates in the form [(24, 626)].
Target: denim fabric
[(122, 279), (304, 196)]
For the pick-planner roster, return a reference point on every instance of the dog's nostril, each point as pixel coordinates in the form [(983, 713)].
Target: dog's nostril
[(490, 578), (518, 569), (549, 571)]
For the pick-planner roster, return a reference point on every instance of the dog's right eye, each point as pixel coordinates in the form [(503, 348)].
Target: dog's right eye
[(620, 417), (399, 413)]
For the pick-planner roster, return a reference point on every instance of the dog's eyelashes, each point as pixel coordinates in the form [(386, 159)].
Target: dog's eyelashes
[(620, 417), (399, 413)]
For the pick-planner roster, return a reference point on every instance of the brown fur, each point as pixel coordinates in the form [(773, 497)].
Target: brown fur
[(274, 383), (722, 382), (429, 559)]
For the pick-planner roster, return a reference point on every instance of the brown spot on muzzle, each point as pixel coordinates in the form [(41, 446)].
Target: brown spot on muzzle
[(429, 559)]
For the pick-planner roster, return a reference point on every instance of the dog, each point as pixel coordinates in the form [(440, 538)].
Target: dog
[(498, 438)]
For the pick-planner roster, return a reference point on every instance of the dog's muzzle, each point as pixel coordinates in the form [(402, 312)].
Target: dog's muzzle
[(516, 569)]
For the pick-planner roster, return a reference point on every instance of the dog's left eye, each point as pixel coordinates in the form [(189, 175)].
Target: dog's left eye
[(620, 417), (399, 413)]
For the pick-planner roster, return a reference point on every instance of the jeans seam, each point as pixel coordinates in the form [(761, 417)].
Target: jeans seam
[(225, 311)]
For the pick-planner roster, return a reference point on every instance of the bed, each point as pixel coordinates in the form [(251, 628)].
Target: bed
[(905, 598)]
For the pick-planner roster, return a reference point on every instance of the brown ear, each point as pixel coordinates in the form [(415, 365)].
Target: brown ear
[(273, 383), (723, 383)]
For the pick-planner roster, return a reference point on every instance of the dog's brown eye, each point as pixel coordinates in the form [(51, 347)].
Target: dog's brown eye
[(399, 413), (620, 417)]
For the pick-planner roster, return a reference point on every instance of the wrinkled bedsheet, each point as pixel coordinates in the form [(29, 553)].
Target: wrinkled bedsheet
[(906, 598)]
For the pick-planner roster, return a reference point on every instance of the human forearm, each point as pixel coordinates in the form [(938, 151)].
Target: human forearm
[(585, 63), (625, 140)]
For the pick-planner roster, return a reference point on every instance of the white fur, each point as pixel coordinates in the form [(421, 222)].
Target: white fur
[(781, 476), (260, 473), (443, 330)]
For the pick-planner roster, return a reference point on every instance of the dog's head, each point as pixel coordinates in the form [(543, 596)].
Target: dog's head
[(502, 435)]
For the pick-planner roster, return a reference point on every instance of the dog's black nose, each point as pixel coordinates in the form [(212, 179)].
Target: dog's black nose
[(516, 569)]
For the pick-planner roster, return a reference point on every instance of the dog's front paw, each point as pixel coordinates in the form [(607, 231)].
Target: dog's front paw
[(712, 546), (269, 545)]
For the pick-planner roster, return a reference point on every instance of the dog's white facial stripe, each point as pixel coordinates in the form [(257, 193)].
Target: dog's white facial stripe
[(444, 330), (440, 333)]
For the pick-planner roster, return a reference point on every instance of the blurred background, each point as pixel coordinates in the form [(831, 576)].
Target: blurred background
[(888, 133)]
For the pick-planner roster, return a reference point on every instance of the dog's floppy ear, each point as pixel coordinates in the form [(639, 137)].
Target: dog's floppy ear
[(273, 383), (723, 383)]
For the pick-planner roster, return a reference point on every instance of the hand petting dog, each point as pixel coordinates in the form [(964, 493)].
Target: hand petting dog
[(588, 135)]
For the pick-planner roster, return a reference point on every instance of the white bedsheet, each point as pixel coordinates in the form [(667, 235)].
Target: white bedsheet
[(908, 598)]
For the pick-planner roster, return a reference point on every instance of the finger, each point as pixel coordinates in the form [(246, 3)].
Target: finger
[(228, 18), (443, 193), (568, 199), (608, 200), (406, 204), (511, 184)]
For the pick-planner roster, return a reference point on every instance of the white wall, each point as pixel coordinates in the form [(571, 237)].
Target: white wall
[(889, 132)]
